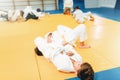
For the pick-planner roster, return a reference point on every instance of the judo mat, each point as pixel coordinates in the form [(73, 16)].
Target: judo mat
[(18, 60), (111, 74)]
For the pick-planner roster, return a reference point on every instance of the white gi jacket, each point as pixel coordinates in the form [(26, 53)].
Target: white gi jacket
[(52, 52)]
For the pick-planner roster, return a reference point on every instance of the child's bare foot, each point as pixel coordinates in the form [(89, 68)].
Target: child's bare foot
[(85, 46), (92, 18)]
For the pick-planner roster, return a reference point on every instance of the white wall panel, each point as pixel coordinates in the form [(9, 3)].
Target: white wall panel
[(107, 3), (100, 3), (6, 5), (49, 5), (21, 4), (36, 4), (91, 3)]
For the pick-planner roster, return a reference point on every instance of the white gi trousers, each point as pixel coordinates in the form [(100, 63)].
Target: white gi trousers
[(72, 35), (13, 15)]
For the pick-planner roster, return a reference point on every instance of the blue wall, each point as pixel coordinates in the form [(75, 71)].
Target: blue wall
[(117, 6), (60, 4)]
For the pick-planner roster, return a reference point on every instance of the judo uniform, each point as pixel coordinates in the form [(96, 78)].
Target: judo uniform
[(80, 16), (29, 10), (52, 51), (13, 15)]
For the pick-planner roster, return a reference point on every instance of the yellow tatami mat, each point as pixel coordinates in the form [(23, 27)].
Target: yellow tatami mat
[(19, 62)]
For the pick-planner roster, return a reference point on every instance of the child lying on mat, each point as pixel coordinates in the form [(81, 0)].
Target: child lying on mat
[(81, 17), (65, 60), (64, 57), (15, 15), (30, 13)]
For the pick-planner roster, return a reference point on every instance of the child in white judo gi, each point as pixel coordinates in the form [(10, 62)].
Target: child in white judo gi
[(62, 56), (15, 15), (66, 63), (30, 13), (68, 6), (81, 17)]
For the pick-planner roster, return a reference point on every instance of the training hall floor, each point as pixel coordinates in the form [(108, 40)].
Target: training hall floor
[(18, 60)]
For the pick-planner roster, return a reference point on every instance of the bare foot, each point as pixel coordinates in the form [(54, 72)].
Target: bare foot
[(92, 19), (85, 46)]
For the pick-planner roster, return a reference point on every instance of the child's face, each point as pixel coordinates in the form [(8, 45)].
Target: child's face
[(77, 65), (49, 38), (69, 53)]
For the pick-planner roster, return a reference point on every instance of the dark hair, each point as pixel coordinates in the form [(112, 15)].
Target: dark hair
[(50, 34), (86, 72), (38, 10), (77, 7)]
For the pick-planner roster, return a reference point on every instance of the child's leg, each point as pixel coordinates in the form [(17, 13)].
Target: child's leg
[(81, 31), (15, 15)]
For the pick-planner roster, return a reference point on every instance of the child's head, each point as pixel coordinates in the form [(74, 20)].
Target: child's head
[(77, 7), (50, 34), (49, 37), (38, 10), (86, 72)]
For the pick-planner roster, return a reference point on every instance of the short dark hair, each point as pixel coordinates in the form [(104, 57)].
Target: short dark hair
[(50, 34), (86, 72), (77, 7), (38, 10)]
